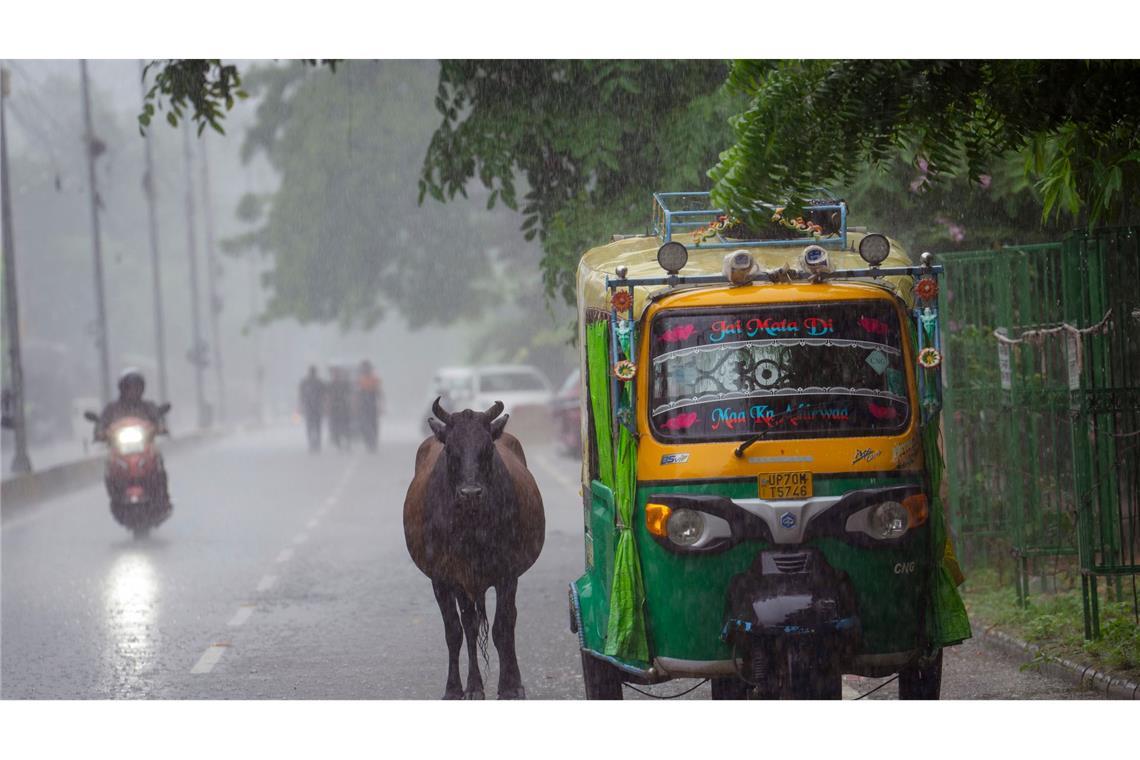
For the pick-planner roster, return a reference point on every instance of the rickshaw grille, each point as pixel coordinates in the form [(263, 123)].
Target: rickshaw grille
[(791, 563)]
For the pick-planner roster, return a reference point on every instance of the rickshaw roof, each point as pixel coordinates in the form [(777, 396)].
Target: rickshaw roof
[(639, 254)]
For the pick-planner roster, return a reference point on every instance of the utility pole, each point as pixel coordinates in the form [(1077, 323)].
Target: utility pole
[(93, 147), (197, 352), (20, 460), (152, 221), (212, 278)]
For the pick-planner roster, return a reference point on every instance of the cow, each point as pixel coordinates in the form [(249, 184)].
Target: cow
[(473, 519)]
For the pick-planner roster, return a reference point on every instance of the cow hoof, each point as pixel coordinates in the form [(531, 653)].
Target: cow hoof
[(516, 693), (453, 694), (475, 694)]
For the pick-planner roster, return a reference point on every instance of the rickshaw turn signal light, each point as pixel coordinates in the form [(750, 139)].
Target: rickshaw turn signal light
[(917, 507), (657, 519)]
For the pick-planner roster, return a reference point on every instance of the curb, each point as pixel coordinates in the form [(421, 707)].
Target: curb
[(22, 493), (1103, 682)]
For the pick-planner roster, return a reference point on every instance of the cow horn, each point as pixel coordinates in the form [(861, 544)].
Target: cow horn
[(437, 410), (491, 414)]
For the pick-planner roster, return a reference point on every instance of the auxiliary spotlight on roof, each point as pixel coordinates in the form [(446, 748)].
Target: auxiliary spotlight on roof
[(816, 260), (739, 266), (672, 257), (874, 248)]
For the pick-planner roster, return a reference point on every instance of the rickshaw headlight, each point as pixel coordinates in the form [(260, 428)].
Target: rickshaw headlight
[(888, 520), (685, 527)]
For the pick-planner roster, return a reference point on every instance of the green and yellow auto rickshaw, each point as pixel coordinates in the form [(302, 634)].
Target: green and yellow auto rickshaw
[(761, 463)]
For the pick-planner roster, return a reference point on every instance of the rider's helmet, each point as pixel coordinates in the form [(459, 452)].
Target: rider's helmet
[(131, 383)]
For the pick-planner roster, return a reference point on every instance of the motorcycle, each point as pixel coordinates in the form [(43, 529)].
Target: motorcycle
[(135, 475)]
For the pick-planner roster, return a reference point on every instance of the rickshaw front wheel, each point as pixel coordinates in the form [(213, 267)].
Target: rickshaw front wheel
[(923, 680), (729, 688), (602, 680)]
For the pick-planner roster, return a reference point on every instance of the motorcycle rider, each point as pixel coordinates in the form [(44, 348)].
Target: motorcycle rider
[(131, 403)]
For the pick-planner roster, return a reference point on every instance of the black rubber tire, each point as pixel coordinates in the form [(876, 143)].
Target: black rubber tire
[(602, 680), (922, 681), (810, 678), (729, 688)]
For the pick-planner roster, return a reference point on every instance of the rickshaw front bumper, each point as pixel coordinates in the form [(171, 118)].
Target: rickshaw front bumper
[(793, 594)]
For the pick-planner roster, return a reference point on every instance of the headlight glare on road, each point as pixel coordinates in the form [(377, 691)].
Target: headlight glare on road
[(686, 526), (888, 520)]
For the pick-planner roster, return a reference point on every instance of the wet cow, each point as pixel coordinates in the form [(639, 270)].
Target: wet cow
[(473, 519)]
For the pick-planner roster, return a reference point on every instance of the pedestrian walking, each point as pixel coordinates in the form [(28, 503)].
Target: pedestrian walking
[(312, 403), (369, 404)]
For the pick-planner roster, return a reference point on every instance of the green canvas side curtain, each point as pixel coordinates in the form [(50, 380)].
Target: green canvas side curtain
[(617, 469), (949, 621)]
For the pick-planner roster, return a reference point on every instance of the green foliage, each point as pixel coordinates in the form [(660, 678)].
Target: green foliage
[(1055, 622), (206, 87), (818, 123), (591, 140)]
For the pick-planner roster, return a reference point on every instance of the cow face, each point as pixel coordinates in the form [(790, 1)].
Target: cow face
[(468, 439)]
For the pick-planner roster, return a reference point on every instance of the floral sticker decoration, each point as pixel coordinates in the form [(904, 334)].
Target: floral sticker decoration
[(622, 300), (927, 289), (929, 358), (625, 370)]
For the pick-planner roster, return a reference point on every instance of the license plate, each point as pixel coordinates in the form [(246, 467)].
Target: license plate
[(785, 485)]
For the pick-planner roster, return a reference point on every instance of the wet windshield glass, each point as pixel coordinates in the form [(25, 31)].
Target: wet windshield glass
[(789, 370)]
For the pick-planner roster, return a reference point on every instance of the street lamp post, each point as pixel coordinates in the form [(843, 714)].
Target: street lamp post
[(90, 145), (152, 223), (20, 460), (197, 354)]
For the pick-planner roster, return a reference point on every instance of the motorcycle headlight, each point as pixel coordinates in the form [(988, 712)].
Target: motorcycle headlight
[(130, 439), (685, 527), (888, 520)]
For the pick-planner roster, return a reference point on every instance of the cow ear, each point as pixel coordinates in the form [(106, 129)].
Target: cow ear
[(498, 425), (438, 428)]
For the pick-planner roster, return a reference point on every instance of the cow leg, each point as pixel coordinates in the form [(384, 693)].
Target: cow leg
[(471, 623), (453, 632), (503, 632)]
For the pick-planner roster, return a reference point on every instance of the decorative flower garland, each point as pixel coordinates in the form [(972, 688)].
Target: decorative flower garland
[(929, 358), (625, 370), (927, 289)]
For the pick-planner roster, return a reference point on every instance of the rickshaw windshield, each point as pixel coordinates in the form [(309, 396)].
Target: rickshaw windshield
[(788, 370)]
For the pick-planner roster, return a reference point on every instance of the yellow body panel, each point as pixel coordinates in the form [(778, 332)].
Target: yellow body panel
[(862, 454)]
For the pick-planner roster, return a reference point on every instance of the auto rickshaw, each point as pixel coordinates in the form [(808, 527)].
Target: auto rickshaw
[(761, 466)]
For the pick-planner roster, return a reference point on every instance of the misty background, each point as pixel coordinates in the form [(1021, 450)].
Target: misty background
[(409, 287)]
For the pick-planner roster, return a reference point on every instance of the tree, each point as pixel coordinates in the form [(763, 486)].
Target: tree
[(817, 123), (588, 141), (347, 238)]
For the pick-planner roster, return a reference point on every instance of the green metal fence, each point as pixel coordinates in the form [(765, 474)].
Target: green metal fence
[(1042, 430)]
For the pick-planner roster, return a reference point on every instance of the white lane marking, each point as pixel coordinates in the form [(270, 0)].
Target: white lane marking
[(266, 582), (312, 523), (563, 481), (300, 538), (285, 555), (209, 658), (241, 615)]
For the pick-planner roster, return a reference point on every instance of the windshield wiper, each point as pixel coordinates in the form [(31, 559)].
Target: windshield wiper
[(748, 442)]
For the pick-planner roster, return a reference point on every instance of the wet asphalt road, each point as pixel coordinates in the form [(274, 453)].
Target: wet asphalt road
[(284, 575)]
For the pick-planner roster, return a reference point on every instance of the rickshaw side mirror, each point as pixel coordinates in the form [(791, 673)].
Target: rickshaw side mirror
[(91, 416), (164, 408)]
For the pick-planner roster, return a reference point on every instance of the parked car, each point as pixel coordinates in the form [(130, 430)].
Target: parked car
[(567, 414), (524, 391)]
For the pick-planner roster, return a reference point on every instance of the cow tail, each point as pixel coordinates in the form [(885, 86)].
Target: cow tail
[(484, 629)]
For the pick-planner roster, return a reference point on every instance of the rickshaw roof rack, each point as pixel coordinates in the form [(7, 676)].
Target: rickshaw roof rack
[(685, 212)]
